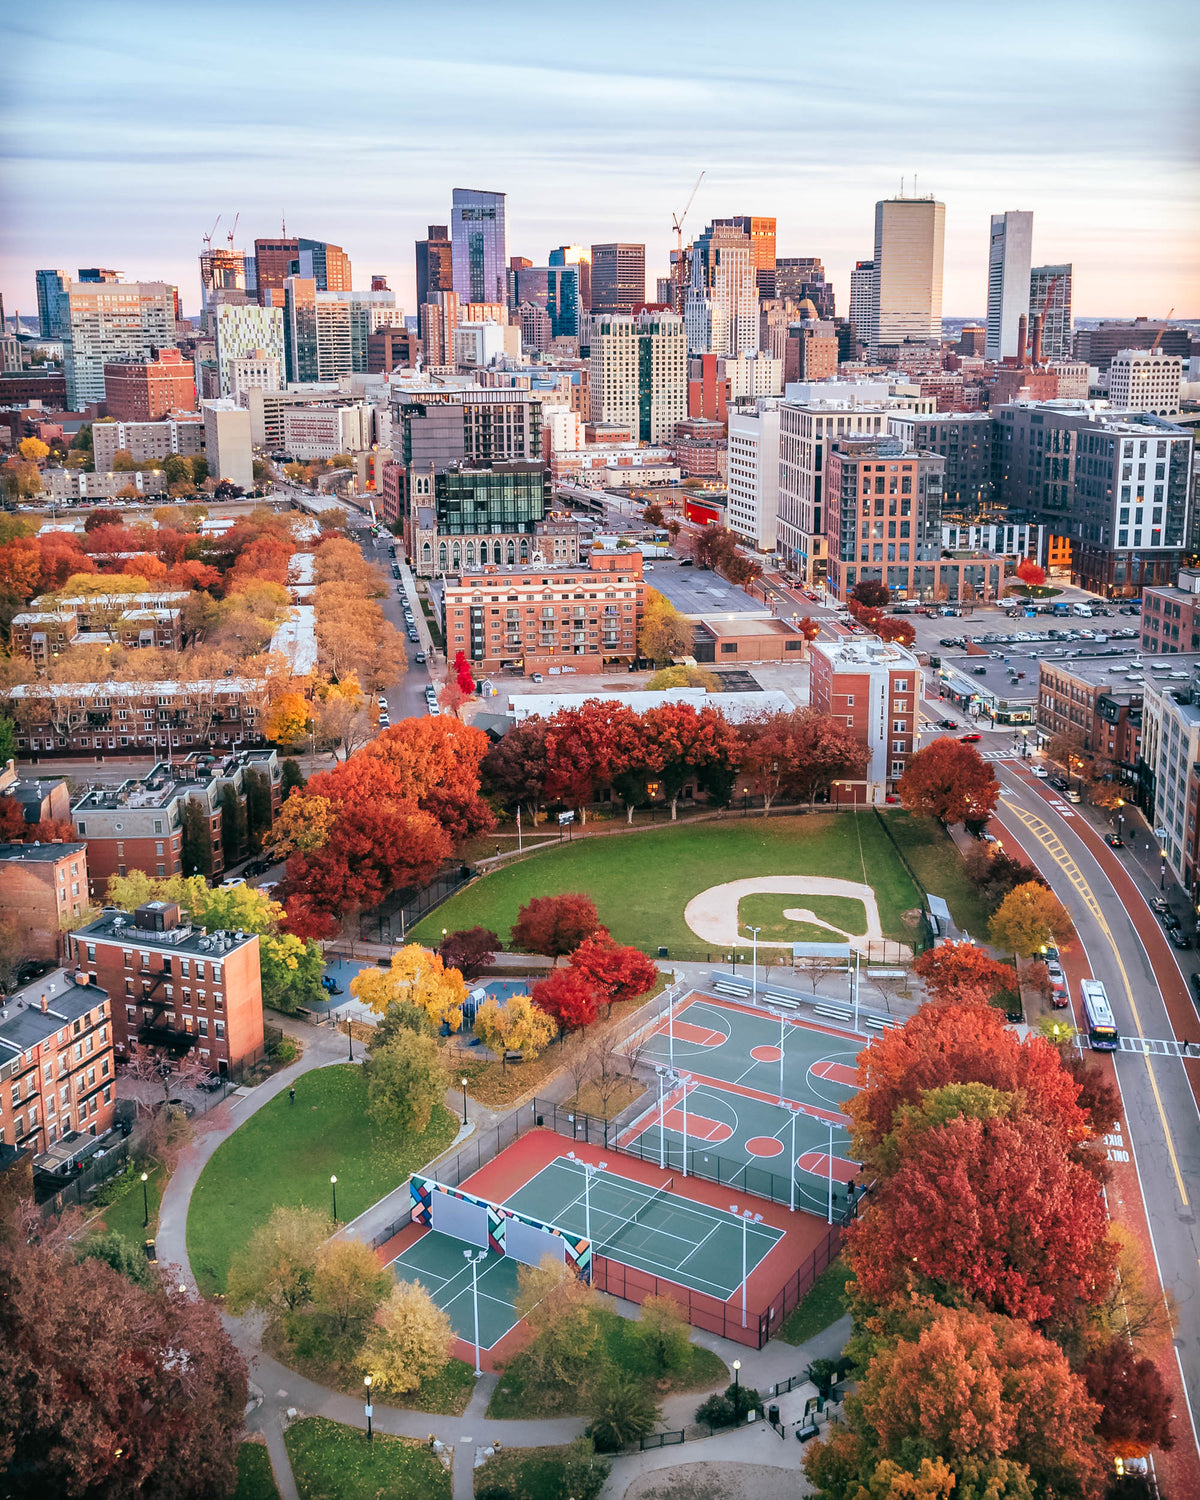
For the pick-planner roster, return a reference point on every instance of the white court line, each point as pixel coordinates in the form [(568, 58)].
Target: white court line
[(695, 1248)]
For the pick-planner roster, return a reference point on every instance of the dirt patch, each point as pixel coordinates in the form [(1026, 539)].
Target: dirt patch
[(713, 914), (911, 917), (717, 1481)]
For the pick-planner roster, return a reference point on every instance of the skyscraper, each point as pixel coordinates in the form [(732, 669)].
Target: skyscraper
[(618, 278), (862, 294), (555, 289), (107, 320), (906, 298), (762, 248), (580, 256), (800, 276), (316, 331), (49, 285), (1009, 254), (328, 265), (1056, 325), (239, 332), (272, 262), (721, 311), (662, 376), (478, 245)]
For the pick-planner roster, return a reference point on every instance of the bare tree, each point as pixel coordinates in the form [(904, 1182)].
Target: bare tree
[(578, 1058), (890, 987), (606, 1076), (818, 968), (635, 1050)]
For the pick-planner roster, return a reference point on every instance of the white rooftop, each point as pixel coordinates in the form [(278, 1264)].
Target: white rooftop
[(733, 706)]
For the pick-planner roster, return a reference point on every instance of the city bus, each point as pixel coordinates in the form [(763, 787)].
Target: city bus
[(1098, 1016)]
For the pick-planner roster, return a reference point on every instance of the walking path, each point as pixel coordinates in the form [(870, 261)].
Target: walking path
[(279, 1392)]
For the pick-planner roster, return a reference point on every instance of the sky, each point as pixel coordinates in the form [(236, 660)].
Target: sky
[(126, 129)]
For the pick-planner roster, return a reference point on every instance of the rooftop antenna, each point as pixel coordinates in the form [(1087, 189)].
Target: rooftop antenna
[(283, 224), (914, 184)]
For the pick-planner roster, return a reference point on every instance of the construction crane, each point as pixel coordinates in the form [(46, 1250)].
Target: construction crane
[(679, 271), (1161, 331), (207, 238), (677, 220), (233, 231)]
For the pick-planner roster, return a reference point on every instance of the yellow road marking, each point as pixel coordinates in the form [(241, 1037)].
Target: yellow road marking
[(1054, 846)]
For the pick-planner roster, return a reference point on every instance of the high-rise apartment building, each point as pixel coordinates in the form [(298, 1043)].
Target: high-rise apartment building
[(49, 285), (435, 265), (369, 312), (1053, 282), (753, 473), (149, 388), (906, 300), (579, 256), (478, 245), (239, 332), (662, 375), (721, 311), (1010, 256), (105, 321), (875, 687), (883, 515), (1141, 381), (862, 299), (964, 441), (618, 278), (762, 248), (613, 379), (316, 332)]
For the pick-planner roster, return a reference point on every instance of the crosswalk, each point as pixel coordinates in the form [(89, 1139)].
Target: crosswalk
[(1154, 1047)]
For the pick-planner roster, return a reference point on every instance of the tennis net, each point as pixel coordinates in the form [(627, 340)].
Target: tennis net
[(636, 1216)]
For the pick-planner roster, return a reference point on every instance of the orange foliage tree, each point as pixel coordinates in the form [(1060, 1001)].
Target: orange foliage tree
[(949, 781)]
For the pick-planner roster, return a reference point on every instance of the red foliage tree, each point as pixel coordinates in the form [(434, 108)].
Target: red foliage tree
[(515, 768), (615, 972), (1135, 1405), (899, 631), (991, 1210), (102, 515), (463, 674), (1031, 574), (569, 997), (61, 557), (1099, 1099), (963, 971), (797, 753), (555, 924), (470, 950), (949, 781), (871, 592), (433, 762), (584, 746), (15, 830), (21, 566), (192, 574), (693, 744)]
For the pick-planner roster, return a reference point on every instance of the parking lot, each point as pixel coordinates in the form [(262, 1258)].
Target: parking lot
[(698, 591)]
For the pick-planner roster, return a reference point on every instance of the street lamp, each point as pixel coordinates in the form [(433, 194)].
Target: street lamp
[(145, 1200), (463, 1081), (781, 1017), (1162, 879), (793, 1110), (473, 1261), (333, 1185), (737, 1371), (369, 1408), (747, 1217), (589, 1171)]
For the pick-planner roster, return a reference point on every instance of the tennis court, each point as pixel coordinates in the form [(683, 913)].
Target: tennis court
[(439, 1263), (649, 1229)]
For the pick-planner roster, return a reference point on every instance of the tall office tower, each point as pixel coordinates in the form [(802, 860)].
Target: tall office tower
[(662, 388), (910, 236), (618, 278), (49, 285), (479, 245), (318, 344), (438, 320), (721, 311), (105, 321), (581, 257), (665, 288), (221, 271), (1010, 252), (272, 265), (800, 276), (98, 273), (862, 293), (369, 312), (613, 375), (239, 332), (327, 265), (516, 264), (435, 266), (555, 289), (1053, 282), (762, 248)]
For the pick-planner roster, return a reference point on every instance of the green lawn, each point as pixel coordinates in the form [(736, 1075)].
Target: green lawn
[(127, 1215), (255, 1479), (765, 911), (286, 1154), (937, 863), (822, 1306), (641, 882), (572, 1472), (332, 1462)]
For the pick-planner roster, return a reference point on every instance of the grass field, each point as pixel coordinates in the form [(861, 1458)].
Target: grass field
[(572, 1472), (127, 1214), (765, 911), (820, 1307), (286, 1154), (642, 882), (255, 1479), (332, 1462), (937, 864)]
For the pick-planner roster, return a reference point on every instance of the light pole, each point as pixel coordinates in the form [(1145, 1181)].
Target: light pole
[(463, 1081), (369, 1408), (662, 1130), (747, 1217), (684, 1080), (145, 1201), (754, 932), (333, 1185), (1162, 878), (781, 1017), (793, 1110), (829, 1220), (474, 1264), (671, 1031), (350, 1033), (589, 1171), (737, 1371)]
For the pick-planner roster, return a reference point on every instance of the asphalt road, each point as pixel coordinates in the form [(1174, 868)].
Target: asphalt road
[(1122, 944)]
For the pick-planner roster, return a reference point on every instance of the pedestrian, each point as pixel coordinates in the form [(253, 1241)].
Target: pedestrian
[(291, 1096)]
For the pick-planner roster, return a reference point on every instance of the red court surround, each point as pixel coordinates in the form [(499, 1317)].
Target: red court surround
[(698, 1128), (817, 1162), (699, 1036)]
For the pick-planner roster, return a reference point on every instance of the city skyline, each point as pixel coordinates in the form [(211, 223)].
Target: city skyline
[(606, 147)]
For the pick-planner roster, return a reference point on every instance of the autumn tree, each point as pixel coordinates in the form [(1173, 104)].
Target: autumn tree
[(693, 745), (585, 746), (405, 1083), (434, 763), (275, 1270), (1099, 1098), (287, 720), (962, 971), (516, 1026), (616, 973), (1028, 919), (347, 1287), (685, 676), (303, 826), (994, 872), (463, 676), (1031, 573), (664, 633), (470, 950), (664, 1334), (416, 975), (409, 1342), (514, 770), (1135, 1404), (872, 593), (949, 781), (561, 1312), (554, 925), (798, 753), (341, 717), (110, 1389), (569, 997)]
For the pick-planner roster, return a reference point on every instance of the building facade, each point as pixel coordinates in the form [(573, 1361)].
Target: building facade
[(50, 285), (1010, 257), (478, 245), (1053, 283), (435, 264), (150, 388), (42, 887), (883, 515), (1171, 760), (1171, 616), (1141, 381), (618, 278), (752, 473), (862, 299), (228, 443), (241, 333), (105, 321), (875, 688), (906, 299)]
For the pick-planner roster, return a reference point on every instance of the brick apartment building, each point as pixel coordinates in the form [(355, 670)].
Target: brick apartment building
[(175, 986), (1171, 615), (531, 619), (40, 798), (42, 887), (1092, 702), (147, 390), (42, 634), (56, 1062), (875, 687)]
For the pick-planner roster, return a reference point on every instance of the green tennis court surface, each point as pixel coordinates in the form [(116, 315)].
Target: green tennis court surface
[(439, 1263), (688, 1243)]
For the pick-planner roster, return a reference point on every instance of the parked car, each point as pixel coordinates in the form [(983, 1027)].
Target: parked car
[(1059, 999), (413, 636), (1160, 904), (210, 1084), (232, 882), (419, 658), (1180, 939)]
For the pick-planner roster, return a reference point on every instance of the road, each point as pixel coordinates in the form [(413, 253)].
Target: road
[(1122, 943), (406, 699)]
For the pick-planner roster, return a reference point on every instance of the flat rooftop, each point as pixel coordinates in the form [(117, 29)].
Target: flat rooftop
[(37, 854), (23, 1023), (748, 625), (185, 938)]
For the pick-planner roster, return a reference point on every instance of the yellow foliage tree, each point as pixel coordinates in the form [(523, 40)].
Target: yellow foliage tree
[(34, 451), (418, 976), (1029, 918), (287, 719), (664, 632), (561, 1313), (304, 824), (409, 1342), (518, 1026)]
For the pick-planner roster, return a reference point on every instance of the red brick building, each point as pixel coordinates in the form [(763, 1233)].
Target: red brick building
[(147, 390), (708, 391), (875, 687), (174, 986), (1171, 616), (56, 1062), (699, 447), (42, 886)]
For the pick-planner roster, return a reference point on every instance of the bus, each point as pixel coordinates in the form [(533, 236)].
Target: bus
[(1098, 1016)]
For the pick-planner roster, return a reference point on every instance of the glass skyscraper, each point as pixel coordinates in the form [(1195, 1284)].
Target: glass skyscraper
[(479, 246)]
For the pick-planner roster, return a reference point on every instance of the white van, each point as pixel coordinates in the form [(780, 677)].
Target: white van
[(1082, 609)]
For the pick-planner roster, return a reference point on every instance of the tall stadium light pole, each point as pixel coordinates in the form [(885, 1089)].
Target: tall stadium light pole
[(662, 1117), (684, 1080), (474, 1263), (793, 1110), (747, 1217), (857, 985), (829, 1220), (754, 966), (671, 1031), (782, 1031), (589, 1171)]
